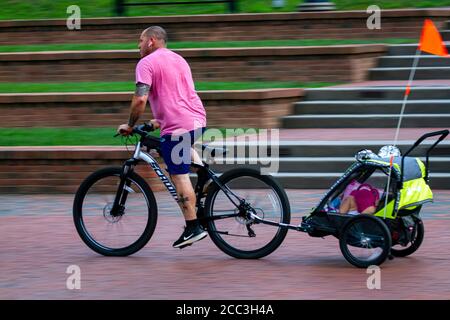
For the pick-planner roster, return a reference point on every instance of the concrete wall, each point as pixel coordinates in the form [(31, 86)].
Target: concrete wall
[(60, 169), (331, 64), (225, 109), (311, 25)]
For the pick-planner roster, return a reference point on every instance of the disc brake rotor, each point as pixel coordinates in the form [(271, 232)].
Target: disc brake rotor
[(107, 214), (245, 220)]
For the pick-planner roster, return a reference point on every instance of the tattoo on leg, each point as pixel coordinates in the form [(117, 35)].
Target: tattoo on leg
[(182, 201)]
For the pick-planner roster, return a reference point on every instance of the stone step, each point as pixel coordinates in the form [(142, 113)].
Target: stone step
[(372, 106), (376, 93), (407, 49), (321, 148), (408, 60), (286, 164), (325, 181), (310, 164), (366, 121), (422, 73)]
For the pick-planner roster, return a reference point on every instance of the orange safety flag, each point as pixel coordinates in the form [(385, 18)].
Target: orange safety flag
[(408, 90), (431, 40)]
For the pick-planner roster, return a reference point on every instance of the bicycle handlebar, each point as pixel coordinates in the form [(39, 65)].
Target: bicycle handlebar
[(142, 129)]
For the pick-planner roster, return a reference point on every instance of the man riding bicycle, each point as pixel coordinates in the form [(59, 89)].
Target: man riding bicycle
[(165, 77)]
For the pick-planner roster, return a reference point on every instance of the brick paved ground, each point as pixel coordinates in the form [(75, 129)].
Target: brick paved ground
[(38, 243)]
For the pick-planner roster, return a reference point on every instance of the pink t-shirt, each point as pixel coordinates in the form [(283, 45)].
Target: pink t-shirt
[(173, 99), (366, 196)]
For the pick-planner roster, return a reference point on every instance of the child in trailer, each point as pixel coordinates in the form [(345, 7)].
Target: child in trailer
[(362, 199)]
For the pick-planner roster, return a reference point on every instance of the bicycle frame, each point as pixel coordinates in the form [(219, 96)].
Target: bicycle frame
[(140, 155), (204, 174)]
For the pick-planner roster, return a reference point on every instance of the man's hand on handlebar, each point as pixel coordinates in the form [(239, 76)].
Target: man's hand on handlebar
[(124, 130), (155, 124)]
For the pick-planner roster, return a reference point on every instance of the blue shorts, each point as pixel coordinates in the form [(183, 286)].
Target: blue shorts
[(176, 150)]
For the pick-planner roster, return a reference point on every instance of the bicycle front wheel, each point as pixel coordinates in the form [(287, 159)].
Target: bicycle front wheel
[(240, 236), (118, 234)]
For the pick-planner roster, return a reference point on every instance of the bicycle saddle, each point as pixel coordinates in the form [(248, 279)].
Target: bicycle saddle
[(151, 142)]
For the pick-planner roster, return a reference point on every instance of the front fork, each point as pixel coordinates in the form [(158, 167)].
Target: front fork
[(122, 192)]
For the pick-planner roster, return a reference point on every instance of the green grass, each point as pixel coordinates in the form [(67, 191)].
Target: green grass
[(129, 86), (212, 44), (58, 137), (11, 137), (44, 9)]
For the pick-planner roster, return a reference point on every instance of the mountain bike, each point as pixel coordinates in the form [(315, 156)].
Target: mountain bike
[(115, 210)]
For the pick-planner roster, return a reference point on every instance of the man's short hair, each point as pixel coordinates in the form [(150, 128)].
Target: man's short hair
[(156, 32)]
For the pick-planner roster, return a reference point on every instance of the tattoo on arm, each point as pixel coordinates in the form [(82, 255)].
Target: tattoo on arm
[(134, 117), (142, 89)]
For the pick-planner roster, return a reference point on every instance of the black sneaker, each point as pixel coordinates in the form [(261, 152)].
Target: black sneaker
[(189, 236)]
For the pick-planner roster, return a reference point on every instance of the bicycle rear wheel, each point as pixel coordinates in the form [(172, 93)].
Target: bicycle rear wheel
[(110, 234), (239, 236)]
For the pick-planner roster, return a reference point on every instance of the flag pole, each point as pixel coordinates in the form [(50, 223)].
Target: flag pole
[(430, 42), (407, 92), (402, 111)]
